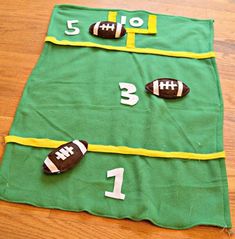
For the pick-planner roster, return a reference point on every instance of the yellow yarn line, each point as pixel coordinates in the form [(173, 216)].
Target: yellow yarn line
[(152, 24), (48, 143), (112, 16), (130, 41), (136, 50), (152, 27), (34, 142)]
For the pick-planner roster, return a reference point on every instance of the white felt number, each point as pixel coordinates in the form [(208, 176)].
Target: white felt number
[(134, 21), (116, 193), (131, 99), (123, 20), (70, 26)]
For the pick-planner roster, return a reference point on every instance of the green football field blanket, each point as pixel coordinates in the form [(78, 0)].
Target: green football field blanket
[(148, 157)]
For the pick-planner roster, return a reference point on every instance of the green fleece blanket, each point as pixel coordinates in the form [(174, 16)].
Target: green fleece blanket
[(74, 93)]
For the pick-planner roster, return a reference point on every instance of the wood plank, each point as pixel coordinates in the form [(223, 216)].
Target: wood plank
[(58, 224)]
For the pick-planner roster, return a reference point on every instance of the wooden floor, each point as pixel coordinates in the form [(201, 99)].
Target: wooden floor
[(23, 25)]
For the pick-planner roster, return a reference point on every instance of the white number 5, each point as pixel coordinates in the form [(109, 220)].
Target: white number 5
[(70, 26), (132, 99)]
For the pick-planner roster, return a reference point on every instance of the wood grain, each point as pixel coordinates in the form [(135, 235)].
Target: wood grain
[(23, 28)]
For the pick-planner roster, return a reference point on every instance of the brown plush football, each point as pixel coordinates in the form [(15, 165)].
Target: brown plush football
[(65, 157), (106, 29), (167, 88)]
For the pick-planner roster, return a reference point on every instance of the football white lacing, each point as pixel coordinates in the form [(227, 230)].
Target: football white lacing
[(107, 27), (64, 152), (168, 84)]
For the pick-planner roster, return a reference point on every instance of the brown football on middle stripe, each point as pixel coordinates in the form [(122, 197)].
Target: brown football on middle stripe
[(106, 29), (65, 157), (167, 88)]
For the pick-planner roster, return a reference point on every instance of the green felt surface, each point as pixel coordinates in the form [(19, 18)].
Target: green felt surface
[(73, 93), (173, 33)]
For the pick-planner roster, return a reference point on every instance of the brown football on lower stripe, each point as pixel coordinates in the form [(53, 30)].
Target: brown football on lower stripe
[(65, 157), (107, 29), (167, 88)]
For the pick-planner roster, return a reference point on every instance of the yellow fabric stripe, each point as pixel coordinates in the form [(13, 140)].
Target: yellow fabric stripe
[(112, 16), (35, 142), (137, 30), (152, 24), (152, 27), (130, 41), (48, 143), (136, 50)]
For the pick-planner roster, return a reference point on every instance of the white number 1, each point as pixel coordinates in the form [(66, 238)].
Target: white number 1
[(116, 193), (70, 26)]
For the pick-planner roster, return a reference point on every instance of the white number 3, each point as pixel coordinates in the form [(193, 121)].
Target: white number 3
[(70, 26), (116, 193), (131, 99)]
